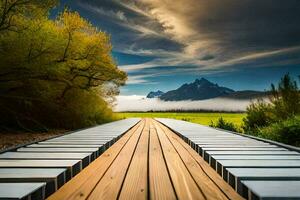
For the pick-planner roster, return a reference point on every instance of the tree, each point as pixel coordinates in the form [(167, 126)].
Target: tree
[(12, 10), (284, 103), (55, 73), (286, 98)]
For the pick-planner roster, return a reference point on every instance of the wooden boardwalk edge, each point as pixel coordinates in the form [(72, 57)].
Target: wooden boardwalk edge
[(202, 171), (82, 184), (148, 162)]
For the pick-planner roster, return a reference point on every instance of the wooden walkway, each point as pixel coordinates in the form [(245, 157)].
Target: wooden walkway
[(151, 159), (255, 168), (35, 171), (148, 162)]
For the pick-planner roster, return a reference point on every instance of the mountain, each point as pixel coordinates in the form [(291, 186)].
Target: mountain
[(246, 94), (200, 89), (156, 94)]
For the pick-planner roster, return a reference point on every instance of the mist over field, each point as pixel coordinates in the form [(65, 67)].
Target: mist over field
[(142, 104)]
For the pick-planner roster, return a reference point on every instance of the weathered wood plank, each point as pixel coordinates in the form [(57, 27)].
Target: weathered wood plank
[(83, 184), (273, 189), (22, 191), (183, 182), (35, 149), (159, 179), (110, 184), (236, 175), (207, 186), (135, 185), (222, 185), (64, 146), (53, 177)]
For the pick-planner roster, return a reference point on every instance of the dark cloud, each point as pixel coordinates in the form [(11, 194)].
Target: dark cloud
[(162, 37), (251, 24), (231, 26), (208, 57)]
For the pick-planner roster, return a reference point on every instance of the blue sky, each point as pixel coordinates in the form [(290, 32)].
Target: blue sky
[(162, 44)]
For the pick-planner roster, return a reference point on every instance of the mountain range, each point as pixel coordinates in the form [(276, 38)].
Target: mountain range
[(202, 89), (156, 94)]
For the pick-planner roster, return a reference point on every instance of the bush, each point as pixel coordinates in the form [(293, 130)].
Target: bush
[(259, 114), (287, 131), (285, 98), (186, 119), (284, 103), (223, 124), (279, 118)]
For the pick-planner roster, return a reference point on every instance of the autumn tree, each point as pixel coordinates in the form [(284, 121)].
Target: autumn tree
[(55, 73), (11, 11)]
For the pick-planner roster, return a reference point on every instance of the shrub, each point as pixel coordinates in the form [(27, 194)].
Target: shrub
[(285, 98), (259, 114), (186, 119), (283, 104), (223, 124), (287, 131)]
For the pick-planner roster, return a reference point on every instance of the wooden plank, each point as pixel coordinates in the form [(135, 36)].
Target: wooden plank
[(44, 156), (253, 142), (82, 138), (86, 158), (236, 175), (30, 173), (207, 186), (22, 191), (259, 163), (252, 153), (206, 152), (183, 182), (256, 157), (72, 142), (110, 184), (273, 189), (222, 165), (82, 150), (54, 178), (95, 151), (227, 190), (237, 145), (74, 166), (83, 184), (159, 180), (214, 158), (64, 146), (244, 149), (135, 185), (38, 163)]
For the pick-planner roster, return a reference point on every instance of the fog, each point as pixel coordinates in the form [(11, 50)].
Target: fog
[(141, 103)]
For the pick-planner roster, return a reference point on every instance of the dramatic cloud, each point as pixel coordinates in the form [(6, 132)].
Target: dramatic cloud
[(200, 36)]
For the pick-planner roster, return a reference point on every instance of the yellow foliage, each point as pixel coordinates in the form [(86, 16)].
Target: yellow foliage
[(58, 66)]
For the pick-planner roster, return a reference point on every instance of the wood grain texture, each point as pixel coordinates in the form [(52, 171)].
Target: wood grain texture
[(110, 184), (159, 181), (82, 184), (184, 184), (148, 162), (135, 185), (211, 173), (206, 185)]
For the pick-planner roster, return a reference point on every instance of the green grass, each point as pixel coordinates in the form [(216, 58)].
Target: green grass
[(200, 118)]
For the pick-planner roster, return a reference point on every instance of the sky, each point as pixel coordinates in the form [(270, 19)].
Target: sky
[(162, 44)]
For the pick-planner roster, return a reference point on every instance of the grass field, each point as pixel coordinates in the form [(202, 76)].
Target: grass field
[(200, 118)]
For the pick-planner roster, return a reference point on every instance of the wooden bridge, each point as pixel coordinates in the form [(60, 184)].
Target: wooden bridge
[(151, 159)]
